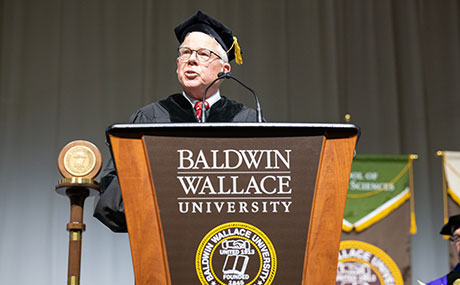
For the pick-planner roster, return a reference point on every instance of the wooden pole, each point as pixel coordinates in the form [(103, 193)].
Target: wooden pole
[(77, 191), (76, 227)]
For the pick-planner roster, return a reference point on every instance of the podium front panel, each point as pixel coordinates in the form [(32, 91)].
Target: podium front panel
[(234, 203), (234, 210)]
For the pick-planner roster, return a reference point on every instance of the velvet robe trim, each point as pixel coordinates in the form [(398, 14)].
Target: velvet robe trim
[(180, 110)]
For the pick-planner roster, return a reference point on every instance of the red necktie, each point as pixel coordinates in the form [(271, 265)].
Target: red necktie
[(198, 108)]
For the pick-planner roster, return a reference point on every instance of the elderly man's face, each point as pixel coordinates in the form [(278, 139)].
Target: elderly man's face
[(457, 242), (195, 76)]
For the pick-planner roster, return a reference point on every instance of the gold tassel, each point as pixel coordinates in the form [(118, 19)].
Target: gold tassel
[(413, 224), (238, 57)]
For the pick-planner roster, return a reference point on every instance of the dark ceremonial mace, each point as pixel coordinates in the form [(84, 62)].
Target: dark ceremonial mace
[(79, 162)]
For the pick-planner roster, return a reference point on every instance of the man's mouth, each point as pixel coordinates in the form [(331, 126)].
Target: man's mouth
[(191, 73)]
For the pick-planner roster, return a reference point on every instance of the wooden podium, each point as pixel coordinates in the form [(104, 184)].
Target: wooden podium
[(234, 203)]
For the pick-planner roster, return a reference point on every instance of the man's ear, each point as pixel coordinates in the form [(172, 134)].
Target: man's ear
[(227, 67)]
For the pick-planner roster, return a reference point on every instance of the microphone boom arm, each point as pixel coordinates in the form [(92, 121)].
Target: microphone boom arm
[(219, 77), (227, 75)]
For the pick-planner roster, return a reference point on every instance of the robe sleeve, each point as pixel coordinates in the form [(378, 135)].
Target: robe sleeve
[(109, 208), (439, 281)]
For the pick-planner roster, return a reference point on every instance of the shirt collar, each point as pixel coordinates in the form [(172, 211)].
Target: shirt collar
[(211, 100)]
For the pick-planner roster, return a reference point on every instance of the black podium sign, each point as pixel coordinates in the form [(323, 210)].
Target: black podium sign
[(256, 187)]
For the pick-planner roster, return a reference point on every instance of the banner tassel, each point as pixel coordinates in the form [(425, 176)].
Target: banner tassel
[(413, 224)]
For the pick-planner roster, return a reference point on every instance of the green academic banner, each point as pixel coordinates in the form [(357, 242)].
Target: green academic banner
[(378, 185)]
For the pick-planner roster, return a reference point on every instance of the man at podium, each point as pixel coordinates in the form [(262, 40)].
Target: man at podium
[(206, 48)]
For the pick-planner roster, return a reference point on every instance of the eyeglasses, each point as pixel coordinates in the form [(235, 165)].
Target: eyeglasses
[(203, 54), (454, 239)]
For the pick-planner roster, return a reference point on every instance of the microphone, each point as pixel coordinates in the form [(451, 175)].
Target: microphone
[(225, 75), (228, 75), (220, 76)]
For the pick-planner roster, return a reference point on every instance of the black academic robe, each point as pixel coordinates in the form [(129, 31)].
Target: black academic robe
[(174, 109)]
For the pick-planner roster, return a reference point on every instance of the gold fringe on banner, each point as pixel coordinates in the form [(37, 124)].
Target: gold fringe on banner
[(381, 215), (413, 224), (444, 188)]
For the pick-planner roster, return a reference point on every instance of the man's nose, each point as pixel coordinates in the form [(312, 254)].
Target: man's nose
[(193, 57)]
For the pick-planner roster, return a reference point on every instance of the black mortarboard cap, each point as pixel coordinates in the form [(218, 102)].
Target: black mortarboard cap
[(200, 22), (451, 226)]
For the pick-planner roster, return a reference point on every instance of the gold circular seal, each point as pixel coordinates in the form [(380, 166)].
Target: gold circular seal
[(236, 253), (363, 263), (79, 159)]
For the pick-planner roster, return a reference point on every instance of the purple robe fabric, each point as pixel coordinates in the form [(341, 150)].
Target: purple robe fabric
[(449, 278)]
